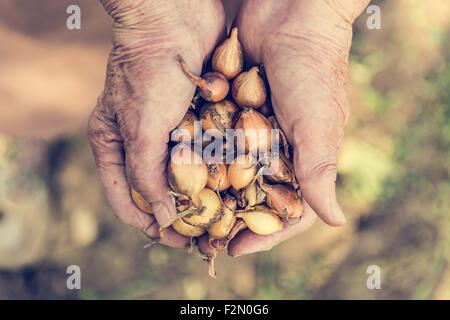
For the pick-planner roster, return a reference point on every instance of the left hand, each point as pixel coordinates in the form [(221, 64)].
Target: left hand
[(304, 47)]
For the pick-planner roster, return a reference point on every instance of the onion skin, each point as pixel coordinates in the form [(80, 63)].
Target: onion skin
[(248, 89), (256, 132), (222, 228), (261, 220), (217, 177), (219, 116), (210, 209), (213, 87), (241, 172), (279, 170), (186, 229), (284, 200), (140, 202), (228, 58), (187, 126), (187, 178)]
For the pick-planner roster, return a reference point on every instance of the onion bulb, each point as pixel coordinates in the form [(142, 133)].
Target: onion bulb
[(261, 220), (248, 89), (187, 172), (218, 117), (253, 131), (284, 200), (228, 58), (187, 129), (217, 177), (222, 228), (241, 171), (140, 202), (213, 86), (279, 170), (186, 229), (209, 210)]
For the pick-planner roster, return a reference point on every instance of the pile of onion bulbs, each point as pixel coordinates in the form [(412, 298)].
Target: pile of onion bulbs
[(230, 168)]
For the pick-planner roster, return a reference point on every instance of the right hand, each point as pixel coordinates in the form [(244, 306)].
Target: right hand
[(146, 95)]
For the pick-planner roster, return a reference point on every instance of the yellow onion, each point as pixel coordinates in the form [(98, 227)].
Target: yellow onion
[(209, 210), (228, 58), (217, 177), (213, 86), (219, 116), (254, 132), (187, 172), (140, 202), (284, 200), (187, 128), (261, 220), (241, 171), (186, 229), (279, 170), (222, 228), (248, 89)]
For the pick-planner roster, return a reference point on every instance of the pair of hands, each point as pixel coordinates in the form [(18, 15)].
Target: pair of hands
[(304, 47)]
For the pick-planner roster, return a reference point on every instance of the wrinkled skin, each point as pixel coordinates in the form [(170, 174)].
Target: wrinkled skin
[(305, 52), (145, 96)]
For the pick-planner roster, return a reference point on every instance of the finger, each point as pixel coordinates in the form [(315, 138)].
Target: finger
[(316, 142), (146, 121), (107, 148), (247, 242)]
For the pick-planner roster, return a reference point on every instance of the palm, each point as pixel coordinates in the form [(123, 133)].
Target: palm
[(306, 68)]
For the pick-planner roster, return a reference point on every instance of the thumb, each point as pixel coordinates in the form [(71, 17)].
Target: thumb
[(145, 162), (316, 144)]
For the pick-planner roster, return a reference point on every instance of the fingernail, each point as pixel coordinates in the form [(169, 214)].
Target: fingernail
[(164, 212), (336, 213)]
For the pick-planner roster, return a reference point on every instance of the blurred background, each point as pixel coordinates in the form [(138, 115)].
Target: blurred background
[(393, 183)]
